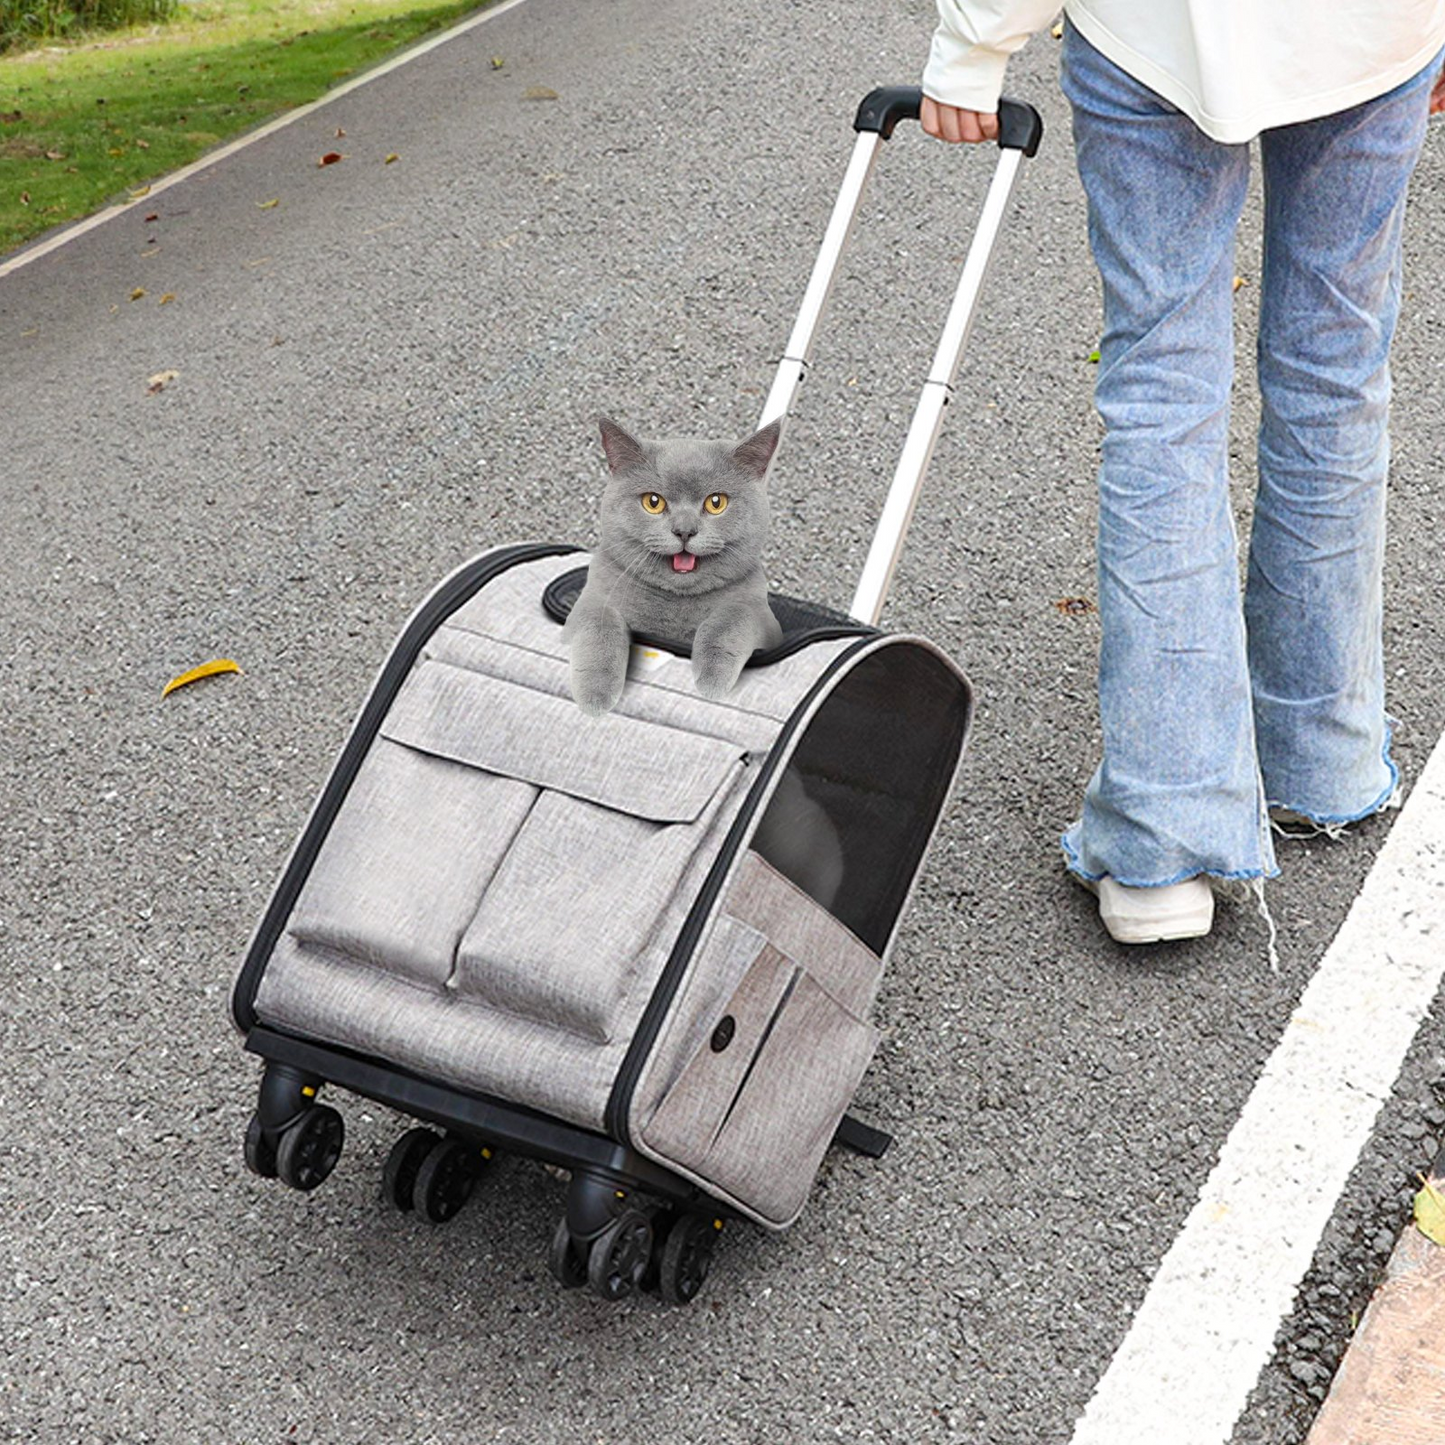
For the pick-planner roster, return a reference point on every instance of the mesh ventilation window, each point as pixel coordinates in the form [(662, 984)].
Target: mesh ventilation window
[(863, 789)]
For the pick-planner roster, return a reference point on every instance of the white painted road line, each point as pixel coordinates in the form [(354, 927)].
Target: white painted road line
[(1207, 1325), (71, 233)]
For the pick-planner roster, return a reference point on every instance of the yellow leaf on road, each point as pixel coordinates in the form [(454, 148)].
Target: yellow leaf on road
[(539, 92), (268, 205), (1430, 1212), (206, 669), (392, 157), (160, 381), (137, 293)]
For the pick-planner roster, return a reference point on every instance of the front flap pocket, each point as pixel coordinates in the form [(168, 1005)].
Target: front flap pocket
[(648, 771), (754, 1110)]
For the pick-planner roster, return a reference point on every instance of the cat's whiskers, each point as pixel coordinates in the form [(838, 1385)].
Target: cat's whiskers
[(642, 556)]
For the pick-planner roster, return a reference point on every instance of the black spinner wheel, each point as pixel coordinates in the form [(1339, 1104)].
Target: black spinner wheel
[(567, 1265), (260, 1153), (446, 1178), (619, 1255), (310, 1147), (686, 1257), (398, 1175)]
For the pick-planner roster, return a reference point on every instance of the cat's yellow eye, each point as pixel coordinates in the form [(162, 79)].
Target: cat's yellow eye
[(716, 503), (652, 503)]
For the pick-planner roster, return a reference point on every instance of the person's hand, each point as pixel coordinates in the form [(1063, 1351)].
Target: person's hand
[(948, 122), (1437, 95)]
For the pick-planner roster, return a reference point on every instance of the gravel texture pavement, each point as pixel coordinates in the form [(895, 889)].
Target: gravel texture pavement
[(391, 369)]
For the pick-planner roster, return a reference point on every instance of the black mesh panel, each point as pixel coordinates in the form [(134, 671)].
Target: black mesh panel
[(862, 791)]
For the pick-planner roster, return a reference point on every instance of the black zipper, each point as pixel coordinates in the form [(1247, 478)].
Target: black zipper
[(619, 1101), (459, 589)]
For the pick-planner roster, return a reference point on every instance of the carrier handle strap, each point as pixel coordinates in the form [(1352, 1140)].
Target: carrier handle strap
[(1020, 130)]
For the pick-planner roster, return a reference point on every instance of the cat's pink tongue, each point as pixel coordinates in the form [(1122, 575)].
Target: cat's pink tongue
[(683, 561)]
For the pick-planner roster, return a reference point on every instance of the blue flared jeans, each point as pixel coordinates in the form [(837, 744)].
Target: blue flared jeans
[(1214, 707)]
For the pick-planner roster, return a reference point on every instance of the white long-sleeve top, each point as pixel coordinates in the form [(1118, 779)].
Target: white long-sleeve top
[(1234, 67)]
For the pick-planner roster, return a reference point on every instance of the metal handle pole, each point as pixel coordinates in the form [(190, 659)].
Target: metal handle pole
[(815, 299), (907, 482)]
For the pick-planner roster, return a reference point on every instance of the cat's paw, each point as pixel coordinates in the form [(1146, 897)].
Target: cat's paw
[(716, 676), (595, 694)]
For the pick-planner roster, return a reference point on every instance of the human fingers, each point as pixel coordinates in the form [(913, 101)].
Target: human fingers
[(976, 126), (1437, 95), (928, 117)]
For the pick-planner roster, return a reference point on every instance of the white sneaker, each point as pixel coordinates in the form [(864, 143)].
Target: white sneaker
[(1156, 915)]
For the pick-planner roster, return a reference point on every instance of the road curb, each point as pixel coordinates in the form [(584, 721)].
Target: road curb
[(1390, 1386)]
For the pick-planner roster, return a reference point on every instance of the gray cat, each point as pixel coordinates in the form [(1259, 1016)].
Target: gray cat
[(680, 556)]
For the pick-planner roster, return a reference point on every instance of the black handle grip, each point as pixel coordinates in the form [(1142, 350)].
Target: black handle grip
[(1020, 127)]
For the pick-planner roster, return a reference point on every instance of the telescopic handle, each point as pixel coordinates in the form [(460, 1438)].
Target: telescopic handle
[(1020, 127)]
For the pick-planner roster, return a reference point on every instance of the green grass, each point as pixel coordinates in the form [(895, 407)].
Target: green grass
[(33, 22), (87, 124)]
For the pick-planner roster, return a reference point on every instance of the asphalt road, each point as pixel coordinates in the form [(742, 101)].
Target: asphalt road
[(395, 367)]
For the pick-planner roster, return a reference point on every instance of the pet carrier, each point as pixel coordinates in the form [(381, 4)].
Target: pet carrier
[(643, 947)]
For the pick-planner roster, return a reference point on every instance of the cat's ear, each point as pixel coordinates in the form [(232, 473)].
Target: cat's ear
[(754, 455), (623, 451)]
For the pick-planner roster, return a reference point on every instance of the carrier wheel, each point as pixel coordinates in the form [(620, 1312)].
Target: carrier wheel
[(310, 1147), (260, 1153), (567, 1266), (445, 1180), (398, 1174), (686, 1257), (619, 1255)]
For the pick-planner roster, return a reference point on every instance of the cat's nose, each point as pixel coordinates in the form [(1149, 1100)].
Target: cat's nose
[(684, 531)]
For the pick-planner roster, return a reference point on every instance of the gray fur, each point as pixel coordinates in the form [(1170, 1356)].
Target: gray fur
[(720, 606)]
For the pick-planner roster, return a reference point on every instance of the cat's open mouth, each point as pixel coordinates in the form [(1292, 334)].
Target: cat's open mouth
[(684, 561)]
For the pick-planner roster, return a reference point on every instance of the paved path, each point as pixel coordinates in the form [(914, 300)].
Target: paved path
[(395, 366)]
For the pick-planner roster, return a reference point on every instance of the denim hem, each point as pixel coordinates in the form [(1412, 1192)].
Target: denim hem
[(1335, 820), (1072, 863)]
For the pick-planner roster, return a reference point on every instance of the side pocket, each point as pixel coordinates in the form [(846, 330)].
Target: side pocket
[(407, 860), (756, 1106)]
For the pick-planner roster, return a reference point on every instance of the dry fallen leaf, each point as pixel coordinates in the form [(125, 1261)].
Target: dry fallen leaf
[(169, 296), (1238, 282), (1057, 32), (137, 293), (330, 158), (539, 92), (154, 216), (55, 155), (206, 669), (1430, 1212), (272, 204), (144, 191), (160, 381), (390, 158), (144, 145), (497, 62), (24, 198), (1075, 606), (339, 133)]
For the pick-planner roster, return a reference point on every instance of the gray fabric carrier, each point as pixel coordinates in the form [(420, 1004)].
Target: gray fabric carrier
[(608, 920)]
